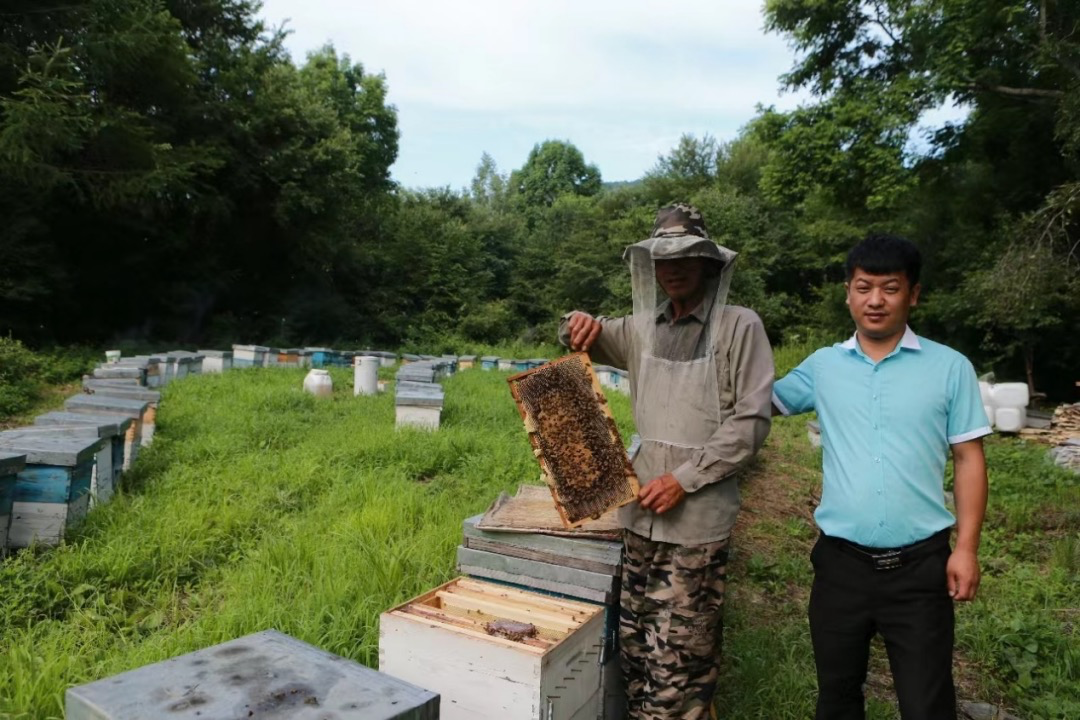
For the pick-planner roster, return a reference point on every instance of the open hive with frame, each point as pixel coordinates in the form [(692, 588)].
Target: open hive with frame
[(575, 439)]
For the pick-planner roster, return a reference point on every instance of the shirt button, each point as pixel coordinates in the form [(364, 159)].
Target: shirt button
[(877, 460), (880, 491), (875, 397)]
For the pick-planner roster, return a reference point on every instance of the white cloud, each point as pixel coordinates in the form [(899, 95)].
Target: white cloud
[(588, 67)]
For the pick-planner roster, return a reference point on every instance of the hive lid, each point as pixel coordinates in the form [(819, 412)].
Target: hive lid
[(65, 450), (224, 354), (134, 392), (11, 463), (250, 348), (101, 420), (264, 675), (86, 429), (423, 394), (105, 403), (574, 438), (532, 510)]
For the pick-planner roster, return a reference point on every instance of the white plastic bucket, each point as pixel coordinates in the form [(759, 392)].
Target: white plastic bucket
[(1010, 419), (319, 383), (989, 410), (366, 375), (986, 393), (1014, 395)]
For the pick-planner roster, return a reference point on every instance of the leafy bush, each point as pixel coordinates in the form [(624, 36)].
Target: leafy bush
[(24, 375)]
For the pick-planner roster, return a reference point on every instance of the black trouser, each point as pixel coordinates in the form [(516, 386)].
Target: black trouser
[(911, 608)]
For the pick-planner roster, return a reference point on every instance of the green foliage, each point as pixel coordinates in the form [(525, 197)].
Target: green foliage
[(25, 375)]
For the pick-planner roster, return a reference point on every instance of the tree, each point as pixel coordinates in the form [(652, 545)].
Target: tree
[(553, 168)]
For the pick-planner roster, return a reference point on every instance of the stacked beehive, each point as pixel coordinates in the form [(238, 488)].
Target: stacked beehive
[(418, 398)]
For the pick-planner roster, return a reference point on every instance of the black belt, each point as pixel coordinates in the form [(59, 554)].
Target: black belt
[(892, 558)]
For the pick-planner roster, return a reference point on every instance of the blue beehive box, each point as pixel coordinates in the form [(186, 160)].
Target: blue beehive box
[(52, 493)]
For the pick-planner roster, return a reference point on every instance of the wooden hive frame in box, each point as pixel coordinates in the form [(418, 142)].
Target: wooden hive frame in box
[(575, 438), (546, 666)]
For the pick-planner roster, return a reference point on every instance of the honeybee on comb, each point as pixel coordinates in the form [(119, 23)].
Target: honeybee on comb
[(575, 439)]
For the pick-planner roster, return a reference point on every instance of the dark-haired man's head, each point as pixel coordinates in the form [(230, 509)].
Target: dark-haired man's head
[(882, 284)]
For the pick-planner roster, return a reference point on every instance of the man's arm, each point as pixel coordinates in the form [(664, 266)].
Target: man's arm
[(970, 489), (607, 340), (743, 433)]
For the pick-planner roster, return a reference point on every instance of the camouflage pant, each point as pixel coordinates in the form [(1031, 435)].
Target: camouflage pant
[(670, 628)]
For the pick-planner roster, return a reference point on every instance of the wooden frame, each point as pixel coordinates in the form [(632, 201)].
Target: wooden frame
[(532, 428)]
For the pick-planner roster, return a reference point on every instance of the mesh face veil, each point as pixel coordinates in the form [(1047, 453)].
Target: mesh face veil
[(650, 300), (676, 398)]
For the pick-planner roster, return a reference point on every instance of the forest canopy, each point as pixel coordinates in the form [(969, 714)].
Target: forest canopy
[(169, 173)]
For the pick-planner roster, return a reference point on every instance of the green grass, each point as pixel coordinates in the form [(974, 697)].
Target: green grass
[(259, 506)]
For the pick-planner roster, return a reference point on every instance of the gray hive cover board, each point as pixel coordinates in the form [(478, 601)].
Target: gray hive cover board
[(424, 394), (118, 382), (544, 576), (11, 463), (135, 393), (60, 450), (105, 403), (99, 431), (224, 354), (599, 556), (101, 420), (134, 372), (265, 676)]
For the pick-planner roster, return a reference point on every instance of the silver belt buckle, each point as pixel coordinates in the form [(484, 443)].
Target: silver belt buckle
[(887, 561)]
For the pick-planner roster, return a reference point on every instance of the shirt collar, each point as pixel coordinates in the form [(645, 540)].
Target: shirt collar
[(664, 312), (910, 341)]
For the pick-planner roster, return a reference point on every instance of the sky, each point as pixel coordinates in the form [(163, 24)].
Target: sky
[(622, 80)]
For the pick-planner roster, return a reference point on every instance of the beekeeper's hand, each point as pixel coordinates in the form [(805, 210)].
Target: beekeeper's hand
[(584, 329), (662, 494)]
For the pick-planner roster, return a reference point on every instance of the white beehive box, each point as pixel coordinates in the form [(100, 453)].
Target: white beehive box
[(439, 641), (261, 676), (216, 361)]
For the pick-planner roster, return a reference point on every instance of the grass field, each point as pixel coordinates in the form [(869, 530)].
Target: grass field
[(259, 506)]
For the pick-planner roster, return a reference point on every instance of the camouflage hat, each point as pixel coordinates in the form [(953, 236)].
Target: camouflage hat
[(679, 220)]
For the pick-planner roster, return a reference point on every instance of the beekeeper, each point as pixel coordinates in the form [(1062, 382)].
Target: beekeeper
[(701, 374)]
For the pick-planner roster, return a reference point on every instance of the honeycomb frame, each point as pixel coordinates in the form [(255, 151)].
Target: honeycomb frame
[(582, 413)]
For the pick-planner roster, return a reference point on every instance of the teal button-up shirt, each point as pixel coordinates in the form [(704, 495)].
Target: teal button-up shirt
[(886, 429)]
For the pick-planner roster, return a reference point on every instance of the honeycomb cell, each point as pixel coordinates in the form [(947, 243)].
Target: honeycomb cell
[(575, 438)]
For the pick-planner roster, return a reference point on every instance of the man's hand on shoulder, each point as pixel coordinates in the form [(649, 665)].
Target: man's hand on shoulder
[(584, 329), (662, 494), (962, 573)]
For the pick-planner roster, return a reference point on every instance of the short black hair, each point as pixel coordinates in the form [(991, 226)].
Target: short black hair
[(881, 254)]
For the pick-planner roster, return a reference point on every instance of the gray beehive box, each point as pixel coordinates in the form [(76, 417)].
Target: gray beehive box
[(262, 676), (10, 465), (124, 427)]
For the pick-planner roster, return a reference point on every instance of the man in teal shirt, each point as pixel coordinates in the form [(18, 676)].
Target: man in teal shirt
[(891, 406)]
